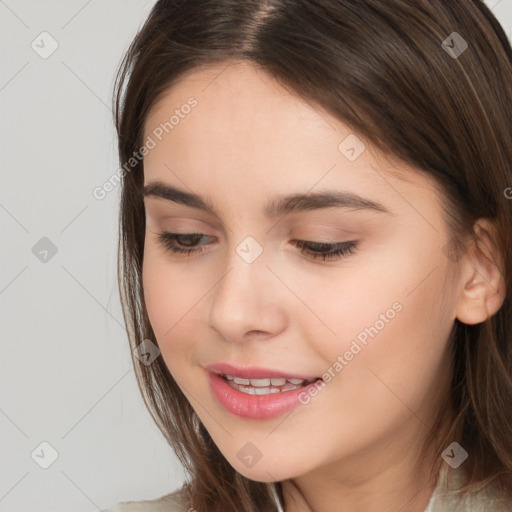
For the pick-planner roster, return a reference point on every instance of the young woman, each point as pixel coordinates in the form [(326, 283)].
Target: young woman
[(315, 252)]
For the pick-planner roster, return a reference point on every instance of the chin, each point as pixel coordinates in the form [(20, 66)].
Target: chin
[(263, 474), (266, 472)]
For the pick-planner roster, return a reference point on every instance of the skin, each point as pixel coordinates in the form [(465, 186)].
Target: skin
[(356, 445)]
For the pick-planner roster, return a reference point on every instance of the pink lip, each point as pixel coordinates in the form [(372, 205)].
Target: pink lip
[(256, 407), (253, 372)]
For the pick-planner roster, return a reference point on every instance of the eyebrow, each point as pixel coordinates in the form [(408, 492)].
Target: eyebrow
[(280, 206)]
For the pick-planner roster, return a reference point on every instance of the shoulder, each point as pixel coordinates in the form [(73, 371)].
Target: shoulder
[(479, 501), (447, 497), (173, 502)]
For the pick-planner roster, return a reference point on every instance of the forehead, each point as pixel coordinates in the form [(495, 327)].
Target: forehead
[(236, 80), (246, 125), (240, 99)]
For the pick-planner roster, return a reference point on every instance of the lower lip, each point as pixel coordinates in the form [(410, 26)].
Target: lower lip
[(255, 407)]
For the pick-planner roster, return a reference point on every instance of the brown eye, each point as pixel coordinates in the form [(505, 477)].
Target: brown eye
[(181, 243), (326, 251)]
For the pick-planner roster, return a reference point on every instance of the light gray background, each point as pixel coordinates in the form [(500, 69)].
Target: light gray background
[(65, 368)]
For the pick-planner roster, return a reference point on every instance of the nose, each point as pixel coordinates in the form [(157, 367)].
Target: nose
[(248, 302)]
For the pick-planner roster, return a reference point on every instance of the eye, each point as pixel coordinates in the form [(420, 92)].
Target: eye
[(181, 243), (187, 243), (326, 251)]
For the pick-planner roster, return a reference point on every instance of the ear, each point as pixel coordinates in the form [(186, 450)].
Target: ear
[(482, 283)]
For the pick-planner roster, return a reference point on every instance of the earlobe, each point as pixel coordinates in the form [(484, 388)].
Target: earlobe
[(483, 285)]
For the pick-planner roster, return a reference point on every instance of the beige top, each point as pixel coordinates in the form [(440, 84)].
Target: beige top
[(444, 499), (173, 502)]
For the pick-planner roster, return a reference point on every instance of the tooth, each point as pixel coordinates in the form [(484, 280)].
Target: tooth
[(278, 382), (249, 391), (275, 390), (261, 391), (289, 386), (260, 382), (296, 381), (240, 380), (229, 377)]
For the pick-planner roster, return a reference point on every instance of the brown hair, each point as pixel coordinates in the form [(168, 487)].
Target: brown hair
[(380, 67)]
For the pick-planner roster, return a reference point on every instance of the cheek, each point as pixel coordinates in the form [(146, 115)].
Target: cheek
[(170, 296), (391, 323)]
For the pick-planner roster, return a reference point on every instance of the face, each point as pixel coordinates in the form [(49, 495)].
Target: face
[(346, 287)]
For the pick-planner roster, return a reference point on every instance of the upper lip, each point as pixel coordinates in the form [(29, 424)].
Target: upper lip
[(253, 372)]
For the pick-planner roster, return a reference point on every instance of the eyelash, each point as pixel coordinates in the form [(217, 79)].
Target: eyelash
[(333, 251)]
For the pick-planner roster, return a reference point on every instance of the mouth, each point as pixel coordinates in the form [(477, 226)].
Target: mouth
[(258, 393)]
